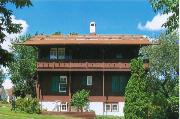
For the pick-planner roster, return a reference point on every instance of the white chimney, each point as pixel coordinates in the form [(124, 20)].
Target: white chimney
[(92, 27)]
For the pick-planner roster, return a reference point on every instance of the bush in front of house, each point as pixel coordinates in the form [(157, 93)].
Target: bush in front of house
[(80, 99), (28, 104)]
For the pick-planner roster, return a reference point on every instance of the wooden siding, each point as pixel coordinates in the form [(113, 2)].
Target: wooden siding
[(44, 92)]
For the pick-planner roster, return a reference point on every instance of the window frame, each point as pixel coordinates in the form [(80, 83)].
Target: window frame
[(89, 78), (105, 109), (62, 107), (63, 84), (52, 53), (111, 107), (117, 107), (63, 51)]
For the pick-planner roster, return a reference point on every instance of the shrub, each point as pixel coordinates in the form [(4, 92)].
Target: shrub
[(28, 104), (136, 96), (80, 99)]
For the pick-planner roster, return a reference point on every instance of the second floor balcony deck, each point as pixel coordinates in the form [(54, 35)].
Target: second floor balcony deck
[(85, 65)]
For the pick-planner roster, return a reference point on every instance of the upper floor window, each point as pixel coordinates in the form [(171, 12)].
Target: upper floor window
[(57, 53), (61, 53), (53, 53)]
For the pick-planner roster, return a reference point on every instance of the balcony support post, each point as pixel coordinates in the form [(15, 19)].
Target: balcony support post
[(69, 90), (103, 83)]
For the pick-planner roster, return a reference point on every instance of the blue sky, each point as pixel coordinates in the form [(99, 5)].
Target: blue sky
[(65, 16)]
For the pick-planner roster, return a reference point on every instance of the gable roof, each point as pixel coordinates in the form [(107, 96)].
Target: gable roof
[(87, 40)]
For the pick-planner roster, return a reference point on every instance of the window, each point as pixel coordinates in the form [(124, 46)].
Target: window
[(53, 53), (89, 80), (61, 53), (64, 107), (111, 107), (114, 107), (62, 83), (107, 107)]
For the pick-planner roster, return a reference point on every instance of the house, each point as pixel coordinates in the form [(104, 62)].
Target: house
[(6, 94), (9, 93), (3, 94), (98, 63)]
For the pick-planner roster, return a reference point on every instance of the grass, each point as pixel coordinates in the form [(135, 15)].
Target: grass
[(6, 113), (109, 117)]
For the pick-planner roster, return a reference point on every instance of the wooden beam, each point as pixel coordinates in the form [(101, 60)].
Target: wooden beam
[(69, 109), (103, 83)]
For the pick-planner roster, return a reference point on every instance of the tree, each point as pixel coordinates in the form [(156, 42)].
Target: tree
[(7, 25), (22, 68), (1, 77), (165, 7), (80, 99), (136, 93), (163, 74)]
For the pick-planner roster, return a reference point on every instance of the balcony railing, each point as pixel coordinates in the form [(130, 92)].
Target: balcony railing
[(81, 65)]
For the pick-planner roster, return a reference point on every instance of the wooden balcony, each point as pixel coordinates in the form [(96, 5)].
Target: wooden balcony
[(84, 65)]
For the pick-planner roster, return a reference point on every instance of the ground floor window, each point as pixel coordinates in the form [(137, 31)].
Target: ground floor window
[(59, 84), (62, 83), (64, 107), (111, 107)]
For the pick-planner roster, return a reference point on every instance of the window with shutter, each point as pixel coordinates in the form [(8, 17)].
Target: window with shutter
[(84, 81), (115, 84)]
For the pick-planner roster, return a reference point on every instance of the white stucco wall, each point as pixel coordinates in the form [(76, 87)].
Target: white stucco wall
[(98, 108), (95, 106), (49, 106)]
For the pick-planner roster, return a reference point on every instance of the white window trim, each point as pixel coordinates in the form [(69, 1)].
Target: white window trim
[(62, 83), (117, 107), (65, 78), (89, 78), (62, 108), (107, 110)]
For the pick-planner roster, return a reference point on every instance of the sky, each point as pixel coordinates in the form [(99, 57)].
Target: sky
[(67, 16)]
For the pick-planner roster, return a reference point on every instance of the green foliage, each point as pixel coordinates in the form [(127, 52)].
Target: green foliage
[(136, 96), (6, 25), (165, 7), (22, 69), (1, 77), (73, 33), (163, 76), (80, 99), (28, 104), (56, 33), (163, 62)]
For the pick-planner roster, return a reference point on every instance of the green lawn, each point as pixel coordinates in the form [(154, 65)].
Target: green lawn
[(6, 113)]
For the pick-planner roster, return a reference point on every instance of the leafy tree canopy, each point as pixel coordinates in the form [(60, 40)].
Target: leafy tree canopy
[(165, 7), (163, 76), (22, 68), (1, 77), (7, 26)]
